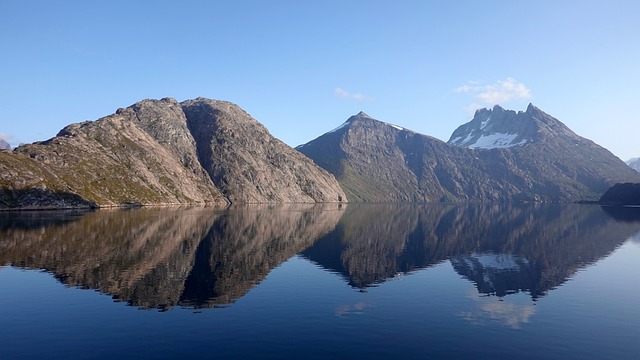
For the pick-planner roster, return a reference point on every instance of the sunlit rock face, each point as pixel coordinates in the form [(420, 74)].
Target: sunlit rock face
[(160, 152)]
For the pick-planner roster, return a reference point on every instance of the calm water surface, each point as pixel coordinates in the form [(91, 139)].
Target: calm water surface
[(356, 281)]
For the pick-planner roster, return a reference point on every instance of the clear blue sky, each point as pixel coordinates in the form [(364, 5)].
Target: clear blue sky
[(303, 67)]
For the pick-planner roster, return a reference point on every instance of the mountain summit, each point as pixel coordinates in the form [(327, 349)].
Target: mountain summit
[(500, 128)]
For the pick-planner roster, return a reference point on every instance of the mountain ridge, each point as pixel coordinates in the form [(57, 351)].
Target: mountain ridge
[(542, 161), (204, 151)]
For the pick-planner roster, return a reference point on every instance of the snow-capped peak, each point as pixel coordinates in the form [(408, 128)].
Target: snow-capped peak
[(494, 129)]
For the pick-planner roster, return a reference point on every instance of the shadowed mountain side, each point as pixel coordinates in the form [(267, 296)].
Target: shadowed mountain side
[(248, 164), (160, 258), (502, 249)]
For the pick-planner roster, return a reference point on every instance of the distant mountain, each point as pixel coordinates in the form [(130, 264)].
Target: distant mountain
[(4, 145), (500, 155), (634, 163), (162, 152)]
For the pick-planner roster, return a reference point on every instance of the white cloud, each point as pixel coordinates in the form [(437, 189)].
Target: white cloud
[(499, 92), (6, 137), (344, 94)]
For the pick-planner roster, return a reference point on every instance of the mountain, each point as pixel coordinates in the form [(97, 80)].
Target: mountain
[(162, 152), (248, 164), (4, 145), (500, 155), (622, 194), (634, 163)]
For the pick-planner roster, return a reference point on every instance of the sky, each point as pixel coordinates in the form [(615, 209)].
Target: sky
[(302, 68)]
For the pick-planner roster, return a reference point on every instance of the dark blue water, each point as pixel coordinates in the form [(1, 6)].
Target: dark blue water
[(357, 281)]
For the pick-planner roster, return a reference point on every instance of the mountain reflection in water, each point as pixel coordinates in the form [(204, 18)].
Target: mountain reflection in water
[(203, 257), (163, 257), (502, 249)]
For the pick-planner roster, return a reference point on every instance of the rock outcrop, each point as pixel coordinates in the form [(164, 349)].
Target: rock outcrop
[(525, 156), (4, 145), (152, 153)]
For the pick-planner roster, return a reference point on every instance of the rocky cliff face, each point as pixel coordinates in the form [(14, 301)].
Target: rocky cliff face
[(499, 156), (4, 145), (151, 153)]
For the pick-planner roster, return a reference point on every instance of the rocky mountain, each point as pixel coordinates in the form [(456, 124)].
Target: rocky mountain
[(634, 163), (4, 145), (500, 155), (162, 152), (500, 128), (248, 164)]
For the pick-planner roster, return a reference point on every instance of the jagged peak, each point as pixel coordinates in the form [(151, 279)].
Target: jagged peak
[(533, 109)]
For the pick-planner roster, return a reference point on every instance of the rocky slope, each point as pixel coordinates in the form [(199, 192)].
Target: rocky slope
[(4, 145), (248, 164), (152, 153), (500, 155)]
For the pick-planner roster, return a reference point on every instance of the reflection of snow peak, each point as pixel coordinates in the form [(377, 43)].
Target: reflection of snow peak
[(496, 261)]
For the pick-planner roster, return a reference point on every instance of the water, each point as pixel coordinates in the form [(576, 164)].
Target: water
[(356, 281)]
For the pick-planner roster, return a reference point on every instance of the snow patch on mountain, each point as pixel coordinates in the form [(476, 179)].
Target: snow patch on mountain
[(488, 141), (496, 141)]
